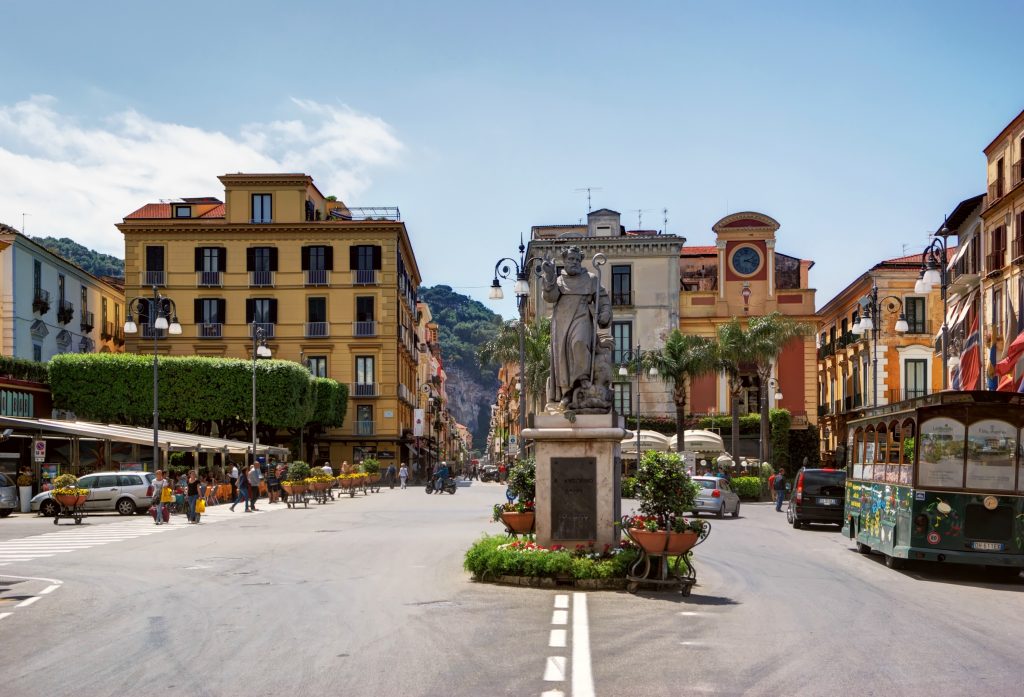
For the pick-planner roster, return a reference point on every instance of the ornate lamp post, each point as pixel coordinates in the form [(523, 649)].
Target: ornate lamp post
[(259, 350), (871, 307), (503, 269), (156, 310), (934, 271), (635, 359)]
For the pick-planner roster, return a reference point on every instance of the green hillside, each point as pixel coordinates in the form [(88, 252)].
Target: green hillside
[(94, 262)]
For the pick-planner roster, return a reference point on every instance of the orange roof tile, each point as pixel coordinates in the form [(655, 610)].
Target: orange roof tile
[(215, 212), (915, 258), (698, 251), (151, 210)]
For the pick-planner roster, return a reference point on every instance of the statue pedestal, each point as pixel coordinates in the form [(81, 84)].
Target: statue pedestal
[(579, 470)]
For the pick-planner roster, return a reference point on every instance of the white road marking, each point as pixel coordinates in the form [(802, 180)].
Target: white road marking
[(555, 669), (691, 613), (27, 601), (582, 675), (552, 693), (49, 589), (560, 617), (557, 638), (5, 614), (562, 601)]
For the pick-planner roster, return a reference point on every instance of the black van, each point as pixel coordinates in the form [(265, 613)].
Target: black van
[(817, 497)]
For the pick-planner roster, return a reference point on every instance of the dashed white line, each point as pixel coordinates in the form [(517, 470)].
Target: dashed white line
[(5, 614), (27, 601), (49, 589), (560, 617), (555, 669), (557, 638), (582, 675), (562, 601)]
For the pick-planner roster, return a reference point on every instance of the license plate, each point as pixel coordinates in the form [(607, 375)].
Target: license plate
[(828, 502), (701, 502), (988, 546)]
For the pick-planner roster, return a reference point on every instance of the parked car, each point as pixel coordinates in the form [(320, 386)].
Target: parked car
[(8, 495), (124, 492), (817, 497), (716, 496)]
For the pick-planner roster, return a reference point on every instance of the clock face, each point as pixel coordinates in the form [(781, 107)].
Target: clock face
[(746, 260)]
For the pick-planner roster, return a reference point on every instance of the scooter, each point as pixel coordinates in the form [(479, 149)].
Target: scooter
[(448, 485)]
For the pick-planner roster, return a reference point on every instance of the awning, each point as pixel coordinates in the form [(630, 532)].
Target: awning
[(649, 440), (700, 441), (956, 257)]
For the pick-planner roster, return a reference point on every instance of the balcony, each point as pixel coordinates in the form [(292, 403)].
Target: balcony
[(995, 192), (1018, 249), (209, 279), (119, 335), (826, 350), (1016, 173), (87, 322), (65, 311), (317, 329), (405, 394), (261, 221), (318, 277), (364, 428), (151, 332), (261, 279), (902, 395), (622, 299), (366, 213), (107, 331), (41, 301), (364, 389), (919, 326), (364, 277), (365, 328), (823, 410), (994, 262), (210, 330), (266, 327), (154, 278)]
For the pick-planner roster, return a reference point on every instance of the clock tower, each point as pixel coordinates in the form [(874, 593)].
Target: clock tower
[(746, 262)]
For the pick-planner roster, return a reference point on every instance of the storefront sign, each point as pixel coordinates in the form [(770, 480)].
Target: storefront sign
[(417, 423), (386, 455), (39, 450)]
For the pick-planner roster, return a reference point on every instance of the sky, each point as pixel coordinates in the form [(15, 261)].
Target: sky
[(856, 125)]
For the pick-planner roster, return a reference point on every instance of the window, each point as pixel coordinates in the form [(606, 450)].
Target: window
[(316, 309), (997, 311), (365, 257), (991, 450), (319, 258), (622, 285), (154, 258), (85, 301), (999, 178), (262, 259), (622, 335), (183, 211), (364, 419), (37, 274), (37, 352), (262, 211), (103, 312), (210, 310), (622, 398), (914, 310), (261, 311), (941, 453), (364, 370), (364, 309), (60, 286), (211, 259), (317, 366)]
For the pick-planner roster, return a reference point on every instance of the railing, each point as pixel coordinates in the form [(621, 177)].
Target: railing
[(1016, 174), (41, 301), (209, 279), (87, 323), (995, 192), (405, 394), (366, 213), (154, 278), (994, 261), (261, 279), (906, 393), (317, 329), (364, 389), (318, 277), (210, 330), (267, 327), (823, 410), (365, 328), (364, 277), (826, 350), (1018, 248), (622, 299), (119, 335), (107, 331), (151, 332), (65, 311), (918, 326), (261, 221), (364, 428)]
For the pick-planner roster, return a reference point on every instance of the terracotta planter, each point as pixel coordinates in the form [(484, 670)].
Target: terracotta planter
[(294, 488), (372, 478), (654, 542), (519, 523), (70, 500)]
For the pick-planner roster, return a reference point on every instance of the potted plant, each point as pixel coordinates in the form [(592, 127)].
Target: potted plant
[(25, 491), (519, 514), (295, 483), (371, 468), (665, 492), (67, 493)]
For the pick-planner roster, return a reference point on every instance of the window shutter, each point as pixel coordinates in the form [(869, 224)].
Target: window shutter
[(273, 311), (273, 258), (199, 258), (376, 258), (197, 309), (305, 258), (250, 310), (353, 255), (223, 260), (329, 258), (250, 260), (222, 313)]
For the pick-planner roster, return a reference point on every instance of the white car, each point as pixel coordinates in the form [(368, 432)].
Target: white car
[(124, 492), (716, 496)]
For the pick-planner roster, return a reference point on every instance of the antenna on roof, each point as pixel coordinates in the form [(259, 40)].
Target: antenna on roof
[(640, 217), (664, 220), (23, 216), (588, 189)]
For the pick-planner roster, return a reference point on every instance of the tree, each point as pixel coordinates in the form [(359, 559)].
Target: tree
[(733, 354), (682, 358), (504, 349)]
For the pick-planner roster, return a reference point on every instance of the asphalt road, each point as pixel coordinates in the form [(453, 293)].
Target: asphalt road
[(367, 596)]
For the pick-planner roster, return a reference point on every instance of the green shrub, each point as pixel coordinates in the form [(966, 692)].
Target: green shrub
[(663, 486), (629, 487), (22, 369), (298, 471), (370, 466), (494, 555), (780, 421), (522, 479), (746, 487)]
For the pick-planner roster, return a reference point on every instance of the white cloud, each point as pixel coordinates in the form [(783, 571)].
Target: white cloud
[(77, 181)]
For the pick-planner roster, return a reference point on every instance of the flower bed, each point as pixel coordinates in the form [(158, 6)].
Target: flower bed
[(494, 558)]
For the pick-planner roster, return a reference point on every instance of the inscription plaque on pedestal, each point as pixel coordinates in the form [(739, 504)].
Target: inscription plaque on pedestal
[(574, 498)]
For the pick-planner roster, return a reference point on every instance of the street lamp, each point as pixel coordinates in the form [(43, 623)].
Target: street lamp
[(934, 271), (871, 309), (771, 383), (503, 269), (259, 350), (636, 358), (156, 311)]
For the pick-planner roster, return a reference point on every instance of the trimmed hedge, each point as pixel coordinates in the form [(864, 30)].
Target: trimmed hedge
[(746, 487), (21, 369), (494, 555)]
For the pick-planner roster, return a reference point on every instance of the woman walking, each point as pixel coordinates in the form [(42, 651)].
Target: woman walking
[(403, 474), (191, 496), (243, 494)]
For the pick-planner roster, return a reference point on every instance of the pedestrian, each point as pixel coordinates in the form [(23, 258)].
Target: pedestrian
[(389, 475), (234, 482), (403, 474), (501, 472), (328, 470), (159, 483), (191, 496), (241, 494), (272, 483), (254, 485), (779, 486), (211, 492)]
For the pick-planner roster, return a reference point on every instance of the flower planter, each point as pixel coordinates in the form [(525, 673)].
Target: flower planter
[(519, 523), (294, 488), (70, 500), (654, 542)]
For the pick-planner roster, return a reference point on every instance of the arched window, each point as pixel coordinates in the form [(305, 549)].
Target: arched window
[(908, 440), (869, 452), (881, 452)]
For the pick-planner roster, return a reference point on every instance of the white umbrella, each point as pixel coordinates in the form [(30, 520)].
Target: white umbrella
[(649, 440), (700, 441)]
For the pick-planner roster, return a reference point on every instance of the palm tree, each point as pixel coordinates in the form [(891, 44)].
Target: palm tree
[(734, 352), (682, 358), (503, 348)]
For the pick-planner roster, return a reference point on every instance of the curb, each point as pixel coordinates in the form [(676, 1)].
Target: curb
[(593, 584)]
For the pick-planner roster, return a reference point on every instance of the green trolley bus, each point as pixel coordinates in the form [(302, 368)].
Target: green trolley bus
[(939, 478)]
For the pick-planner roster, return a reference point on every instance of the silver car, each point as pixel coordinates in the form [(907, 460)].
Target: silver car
[(716, 496), (8, 496), (124, 492)]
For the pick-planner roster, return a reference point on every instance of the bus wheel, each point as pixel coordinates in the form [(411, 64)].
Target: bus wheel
[(895, 562), (863, 548)]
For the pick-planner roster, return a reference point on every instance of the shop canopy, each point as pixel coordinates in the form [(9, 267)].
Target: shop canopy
[(169, 440), (700, 441), (649, 440)]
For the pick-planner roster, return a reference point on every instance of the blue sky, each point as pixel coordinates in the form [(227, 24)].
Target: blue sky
[(855, 125)]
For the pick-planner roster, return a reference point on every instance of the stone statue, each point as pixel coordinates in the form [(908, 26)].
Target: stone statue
[(580, 363)]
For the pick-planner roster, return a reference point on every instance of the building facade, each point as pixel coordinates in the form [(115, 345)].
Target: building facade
[(49, 305), (329, 286)]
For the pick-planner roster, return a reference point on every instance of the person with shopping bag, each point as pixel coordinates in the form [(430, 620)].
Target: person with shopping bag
[(161, 489)]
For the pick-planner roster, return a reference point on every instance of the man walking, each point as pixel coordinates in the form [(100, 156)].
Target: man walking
[(254, 485), (779, 485), (234, 483)]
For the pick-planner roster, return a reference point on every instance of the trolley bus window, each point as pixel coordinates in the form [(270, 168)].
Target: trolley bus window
[(990, 454), (857, 454), (907, 452), (941, 454), (869, 453)]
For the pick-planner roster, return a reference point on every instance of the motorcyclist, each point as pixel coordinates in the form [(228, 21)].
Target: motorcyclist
[(440, 476)]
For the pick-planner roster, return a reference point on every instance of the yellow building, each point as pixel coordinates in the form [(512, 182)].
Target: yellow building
[(330, 286)]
